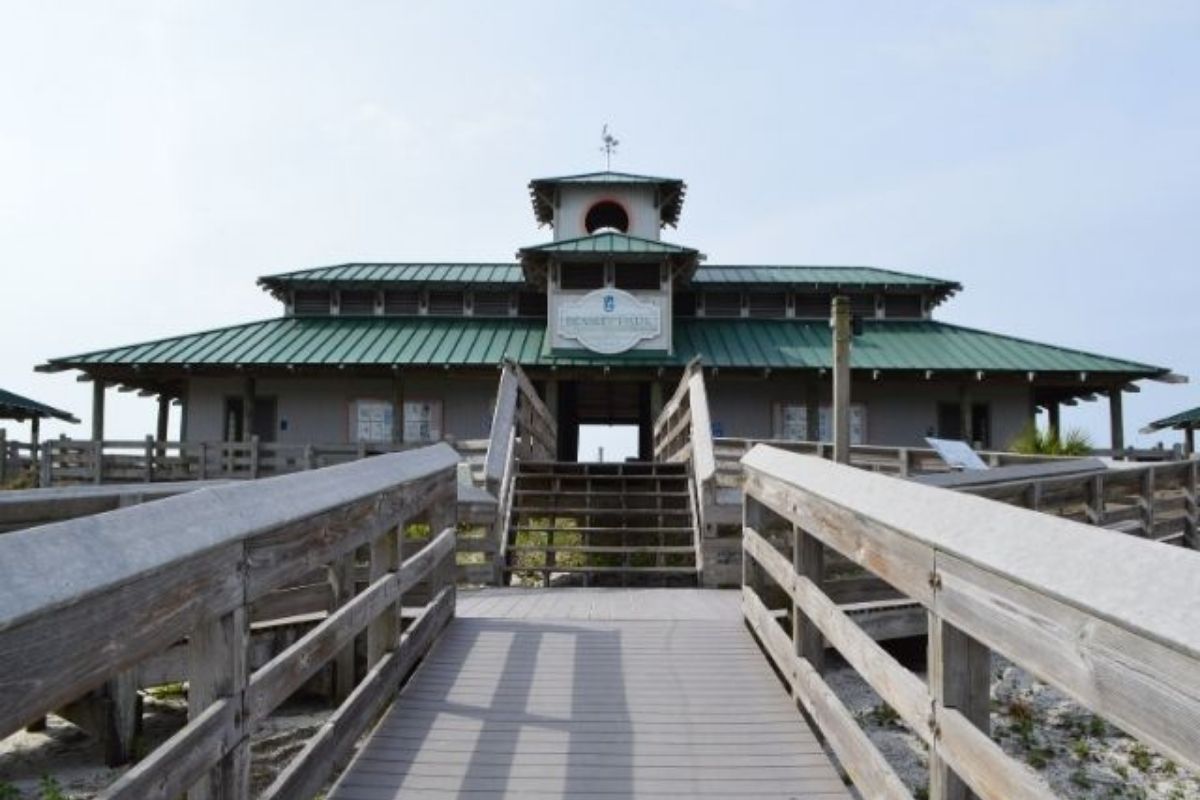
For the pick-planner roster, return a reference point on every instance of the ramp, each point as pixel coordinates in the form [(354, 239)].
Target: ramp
[(593, 693)]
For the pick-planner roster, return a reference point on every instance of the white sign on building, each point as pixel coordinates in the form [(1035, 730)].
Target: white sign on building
[(609, 320)]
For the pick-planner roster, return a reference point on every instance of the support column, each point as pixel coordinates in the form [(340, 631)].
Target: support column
[(1053, 414), (1116, 418), (35, 435), (812, 410), (248, 397), (964, 410), (397, 409), (164, 417), (841, 379), (1189, 438), (98, 387)]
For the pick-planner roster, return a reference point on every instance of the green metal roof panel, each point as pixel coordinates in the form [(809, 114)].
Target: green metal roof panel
[(734, 343), (815, 276), (14, 406), (412, 274), (610, 243), (1180, 420)]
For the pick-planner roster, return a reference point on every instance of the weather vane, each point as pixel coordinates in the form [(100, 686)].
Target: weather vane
[(609, 148)]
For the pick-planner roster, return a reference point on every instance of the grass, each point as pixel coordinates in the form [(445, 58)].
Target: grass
[(1032, 441), (50, 789), (1140, 757), (167, 691), (8, 791)]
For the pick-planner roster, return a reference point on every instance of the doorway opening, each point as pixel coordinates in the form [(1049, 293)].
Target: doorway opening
[(609, 444)]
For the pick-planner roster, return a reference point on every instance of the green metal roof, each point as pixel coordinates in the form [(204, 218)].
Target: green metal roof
[(669, 191), (462, 341), (608, 244), (510, 275), (14, 406), (816, 276), (1180, 420)]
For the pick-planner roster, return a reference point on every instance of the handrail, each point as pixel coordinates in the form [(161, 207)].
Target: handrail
[(683, 432), (519, 413), (83, 602), (1108, 619)]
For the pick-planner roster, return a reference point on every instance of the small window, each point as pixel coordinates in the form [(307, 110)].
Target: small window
[(637, 276), (311, 303), (902, 306), (356, 304), (371, 420), (446, 304), (422, 420), (791, 422), (858, 423), (814, 305), (772, 306), (722, 304), (530, 304), (490, 304), (606, 215), (402, 303), (581, 276)]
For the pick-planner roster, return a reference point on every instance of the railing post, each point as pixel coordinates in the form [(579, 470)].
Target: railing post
[(342, 588), (217, 670), (148, 477), (310, 458), (98, 461), (808, 560), (960, 674), (3, 455), (1095, 500), (254, 454), (1191, 536), (1146, 500), (384, 631), (47, 465)]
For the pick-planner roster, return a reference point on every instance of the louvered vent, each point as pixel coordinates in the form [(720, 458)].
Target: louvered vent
[(813, 305), (446, 304), (491, 304), (402, 304), (768, 306), (311, 303), (722, 304), (902, 306), (357, 304), (862, 305), (684, 304)]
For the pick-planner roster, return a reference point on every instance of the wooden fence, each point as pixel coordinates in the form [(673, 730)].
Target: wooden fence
[(83, 603), (683, 432), (15, 457), (1108, 619)]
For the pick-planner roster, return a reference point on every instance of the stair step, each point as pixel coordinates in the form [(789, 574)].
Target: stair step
[(571, 493), (675, 529), (593, 512), (600, 549), (553, 568)]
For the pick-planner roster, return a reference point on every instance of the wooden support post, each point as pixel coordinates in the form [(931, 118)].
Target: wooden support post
[(1054, 416), (98, 387), (1116, 419), (254, 456), (842, 334), (384, 631), (217, 669), (342, 589), (960, 674), (35, 434), (249, 395), (1189, 439), (148, 456), (397, 409), (1191, 513), (122, 717), (3, 455), (808, 560), (964, 412), (812, 410), (164, 417), (97, 446), (1146, 501)]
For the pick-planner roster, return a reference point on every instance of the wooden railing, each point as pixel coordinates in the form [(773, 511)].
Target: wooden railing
[(683, 432), (1153, 501), (1108, 619), (523, 428), (84, 602), (15, 457)]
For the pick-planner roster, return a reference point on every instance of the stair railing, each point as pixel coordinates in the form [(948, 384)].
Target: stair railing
[(683, 432), (522, 428)]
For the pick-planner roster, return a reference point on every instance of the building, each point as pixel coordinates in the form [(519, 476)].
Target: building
[(602, 317)]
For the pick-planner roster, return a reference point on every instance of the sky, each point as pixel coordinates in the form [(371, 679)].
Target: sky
[(157, 157)]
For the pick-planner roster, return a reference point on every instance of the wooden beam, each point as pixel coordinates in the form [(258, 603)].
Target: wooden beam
[(841, 378)]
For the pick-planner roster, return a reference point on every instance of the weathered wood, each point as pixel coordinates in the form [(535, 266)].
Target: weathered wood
[(808, 561), (217, 670), (960, 678), (842, 335), (872, 775)]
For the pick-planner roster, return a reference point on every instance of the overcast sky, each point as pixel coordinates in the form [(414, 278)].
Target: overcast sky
[(155, 158)]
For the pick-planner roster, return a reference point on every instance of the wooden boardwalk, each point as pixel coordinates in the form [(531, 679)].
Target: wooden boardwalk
[(593, 693)]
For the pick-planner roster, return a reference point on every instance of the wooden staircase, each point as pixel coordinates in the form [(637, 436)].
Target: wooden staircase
[(631, 523)]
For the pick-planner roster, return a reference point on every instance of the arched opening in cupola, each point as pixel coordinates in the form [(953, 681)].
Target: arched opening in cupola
[(606, 215)]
